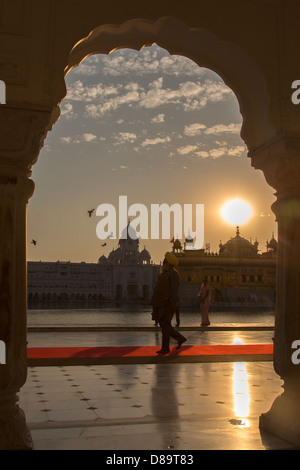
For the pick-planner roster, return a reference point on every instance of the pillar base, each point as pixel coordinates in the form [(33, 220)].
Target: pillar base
[(14, 434), (283, 418)]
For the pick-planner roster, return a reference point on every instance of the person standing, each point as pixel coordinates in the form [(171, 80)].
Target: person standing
[(205, 296), (165, 302)]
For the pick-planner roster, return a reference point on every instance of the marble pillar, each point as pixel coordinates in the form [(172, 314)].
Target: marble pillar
[(21, 136), (280, 163)]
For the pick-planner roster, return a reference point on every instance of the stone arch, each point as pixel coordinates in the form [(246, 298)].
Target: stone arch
[(206, 49), (270, 130)]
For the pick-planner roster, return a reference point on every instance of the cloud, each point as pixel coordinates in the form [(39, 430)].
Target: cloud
[(202, 154), (217, 153), (150, 60), (106, 104), (86, 137), (77, 91), (236, 151), (216, 91), (157, 95), (122, 167), (158, 118), (157, 140), (92, 111), (190, 95), (199, 128), (90, 66), (67, 111), (194, 129), (187, 149), (221, 151), (125, 137), (132, 86), (231, 151), (89, 137), (100, 99), (86, 69), (223, 129), (66, 140)]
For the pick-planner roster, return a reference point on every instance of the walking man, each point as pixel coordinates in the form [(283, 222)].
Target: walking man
[(165, 302)]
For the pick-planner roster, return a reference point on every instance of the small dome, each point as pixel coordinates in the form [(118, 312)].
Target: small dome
[(177, 244), (272, 245), (102, 260), (189, 239), (238, 247), (129, 232), (114, 254), (144, 256)]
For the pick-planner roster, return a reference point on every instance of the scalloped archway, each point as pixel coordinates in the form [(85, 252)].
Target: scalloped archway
[(228, 60)]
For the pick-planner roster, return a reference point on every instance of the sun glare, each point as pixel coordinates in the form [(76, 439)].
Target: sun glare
[(236, 211)]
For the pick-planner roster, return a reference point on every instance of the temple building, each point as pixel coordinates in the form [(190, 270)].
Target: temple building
[(127, 274), (238, 274)]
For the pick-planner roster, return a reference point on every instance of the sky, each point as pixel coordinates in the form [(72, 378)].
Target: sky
[(155, 128)]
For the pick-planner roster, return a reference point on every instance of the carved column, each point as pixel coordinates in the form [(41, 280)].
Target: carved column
[(21, 136), (280, 163)]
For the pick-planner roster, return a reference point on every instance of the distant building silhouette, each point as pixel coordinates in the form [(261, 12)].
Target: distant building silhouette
[(238, 275), (126, 274)]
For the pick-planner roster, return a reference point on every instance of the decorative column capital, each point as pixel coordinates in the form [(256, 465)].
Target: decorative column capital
[(280, 162), (22, 135), (14, 187)]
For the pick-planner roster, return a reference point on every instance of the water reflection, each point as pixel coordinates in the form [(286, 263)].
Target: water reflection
[(241, 391), (164, 404), (135, 315)]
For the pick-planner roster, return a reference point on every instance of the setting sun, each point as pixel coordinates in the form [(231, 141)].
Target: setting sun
[(236, 211)]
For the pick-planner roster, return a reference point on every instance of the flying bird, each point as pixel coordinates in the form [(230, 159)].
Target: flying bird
[(104, 244), (34, 242), (90, 212)]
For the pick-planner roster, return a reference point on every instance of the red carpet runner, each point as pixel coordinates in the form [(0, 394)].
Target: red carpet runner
[(147, 354)]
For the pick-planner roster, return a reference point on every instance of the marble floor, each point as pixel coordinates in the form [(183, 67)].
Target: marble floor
[(145, 338), (193, 406)]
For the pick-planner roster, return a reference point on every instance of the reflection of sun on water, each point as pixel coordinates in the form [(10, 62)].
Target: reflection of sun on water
[(240, 390)]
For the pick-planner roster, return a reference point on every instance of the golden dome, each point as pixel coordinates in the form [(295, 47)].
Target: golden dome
[(238, 247)]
